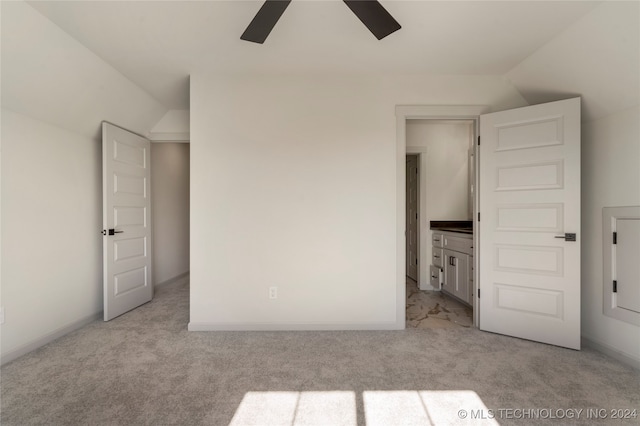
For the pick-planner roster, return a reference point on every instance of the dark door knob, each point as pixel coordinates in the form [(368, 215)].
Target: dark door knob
[(567, 237)]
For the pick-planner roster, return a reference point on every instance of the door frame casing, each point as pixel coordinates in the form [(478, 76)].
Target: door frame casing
[(425, 112)]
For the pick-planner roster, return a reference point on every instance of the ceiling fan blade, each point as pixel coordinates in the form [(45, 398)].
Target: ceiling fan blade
[(265, 20), (374, 16)]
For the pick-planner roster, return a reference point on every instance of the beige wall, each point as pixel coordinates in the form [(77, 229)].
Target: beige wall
[(294, 185), (52, 108), (610, 178), (605, 75), (170, 210), (51, 223)]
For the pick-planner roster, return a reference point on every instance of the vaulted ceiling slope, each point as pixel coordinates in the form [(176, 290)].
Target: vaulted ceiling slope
[(158, 44), (48, 75), (597, 58), (548, 50)]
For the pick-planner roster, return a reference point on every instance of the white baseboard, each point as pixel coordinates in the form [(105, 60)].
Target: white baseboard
[(183, 276), (203, 326), (614, 353), (47, 338)]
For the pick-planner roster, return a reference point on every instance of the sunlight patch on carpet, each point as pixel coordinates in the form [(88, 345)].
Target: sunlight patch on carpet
[(383, 408), (296, 408), (457, 407)]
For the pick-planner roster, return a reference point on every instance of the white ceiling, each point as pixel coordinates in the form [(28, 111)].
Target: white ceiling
[(158, 44)]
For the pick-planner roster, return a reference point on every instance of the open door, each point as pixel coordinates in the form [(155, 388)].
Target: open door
[(412, 233), (126, 220), (529, 211)]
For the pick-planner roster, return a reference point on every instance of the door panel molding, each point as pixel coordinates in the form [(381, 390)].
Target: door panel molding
[(529, 272), (126, 221)]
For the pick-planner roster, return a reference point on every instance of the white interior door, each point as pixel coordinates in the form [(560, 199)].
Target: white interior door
[(126, 220), (529, 201), (412, 217)]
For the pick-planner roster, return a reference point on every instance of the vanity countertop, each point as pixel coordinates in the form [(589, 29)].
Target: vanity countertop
[(461, 226), (468, 231)]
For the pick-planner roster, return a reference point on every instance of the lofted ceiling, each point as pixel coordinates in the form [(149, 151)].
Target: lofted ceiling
[(158, 44)]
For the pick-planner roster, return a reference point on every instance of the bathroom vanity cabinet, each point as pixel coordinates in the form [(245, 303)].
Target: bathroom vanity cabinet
[(452, 264)]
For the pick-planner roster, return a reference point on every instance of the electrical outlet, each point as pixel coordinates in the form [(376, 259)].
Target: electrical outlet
[(273, 292)]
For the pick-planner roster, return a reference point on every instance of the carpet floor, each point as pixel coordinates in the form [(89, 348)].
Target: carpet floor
[(145, 368)]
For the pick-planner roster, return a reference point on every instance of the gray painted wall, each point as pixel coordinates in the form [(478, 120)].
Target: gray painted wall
[(170, 210)]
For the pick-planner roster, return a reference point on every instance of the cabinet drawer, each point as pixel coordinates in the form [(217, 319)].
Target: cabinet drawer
[(437, 257), (435, 277), (463, 245), (436, 239)]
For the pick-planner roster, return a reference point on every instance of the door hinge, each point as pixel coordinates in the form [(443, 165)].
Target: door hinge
[(478, 140), (478, 293), (478, 216), (416, 261), (615, 286), (416, 216), (615, 238)]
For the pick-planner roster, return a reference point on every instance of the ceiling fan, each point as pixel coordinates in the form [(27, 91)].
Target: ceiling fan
[(372, 14)]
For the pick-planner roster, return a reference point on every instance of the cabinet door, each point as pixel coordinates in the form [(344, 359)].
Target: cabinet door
[(462, 274), (450, 272), (456, 275)]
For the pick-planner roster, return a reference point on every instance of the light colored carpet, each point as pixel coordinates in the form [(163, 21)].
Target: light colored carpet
[(145, 368), (434, 309)]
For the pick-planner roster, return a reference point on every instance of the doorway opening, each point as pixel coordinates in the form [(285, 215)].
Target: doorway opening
[(170, 170), (529, 197), (439, 205)]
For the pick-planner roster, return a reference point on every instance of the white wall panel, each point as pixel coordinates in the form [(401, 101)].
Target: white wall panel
[(130, 280), (533, 217), (55, 93), (293, 184), (533, 176), (129, 248), (611, 151), (534, 301), (529, 259), (530, 134), (51, 223)]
